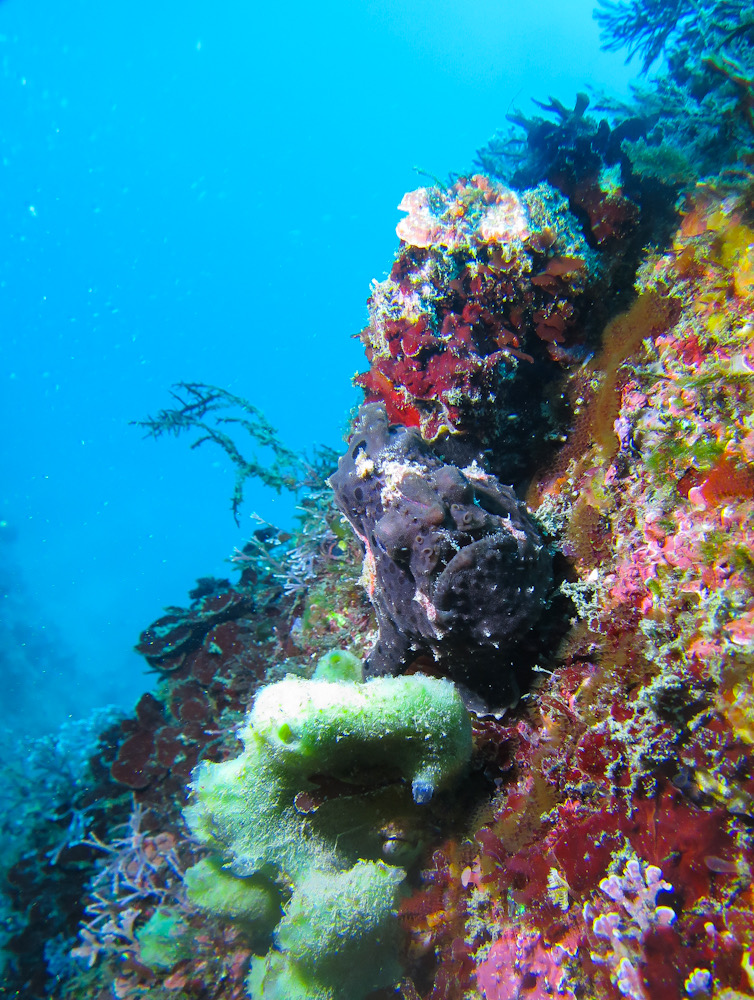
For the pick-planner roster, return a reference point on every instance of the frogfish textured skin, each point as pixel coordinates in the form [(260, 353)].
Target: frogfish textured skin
[(454, 565)]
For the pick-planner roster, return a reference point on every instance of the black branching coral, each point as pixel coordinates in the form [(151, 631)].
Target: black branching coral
[(642, 26), (686, 32), (197, 409), (454, 565)]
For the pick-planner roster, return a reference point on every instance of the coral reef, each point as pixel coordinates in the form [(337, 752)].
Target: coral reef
[(101, 848), (640, 704), (454, 565), (580, 156), (578, 321)]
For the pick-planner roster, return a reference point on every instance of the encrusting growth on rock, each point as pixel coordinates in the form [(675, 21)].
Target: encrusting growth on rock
[(454, 564)]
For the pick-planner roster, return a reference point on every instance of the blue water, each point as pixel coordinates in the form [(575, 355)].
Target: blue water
[(196, 191)]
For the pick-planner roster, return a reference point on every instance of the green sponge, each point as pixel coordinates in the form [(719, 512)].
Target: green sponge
[(415, 728), (254, 900), (339, 665), (338, 938), (415, 724), (327, 767)]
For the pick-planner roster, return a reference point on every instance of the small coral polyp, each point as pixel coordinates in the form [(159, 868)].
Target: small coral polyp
[(327, 766), (486, 281)]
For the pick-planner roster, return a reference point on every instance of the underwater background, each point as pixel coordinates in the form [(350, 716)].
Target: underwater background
[(421, 664), (204, 195)]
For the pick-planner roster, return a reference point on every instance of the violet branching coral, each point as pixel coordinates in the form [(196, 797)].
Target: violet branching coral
[(620, 931), (137, 869), (454, 565), (328, 764)]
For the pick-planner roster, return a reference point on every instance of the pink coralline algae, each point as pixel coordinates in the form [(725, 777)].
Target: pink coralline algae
[(519, 966), (474, 211)]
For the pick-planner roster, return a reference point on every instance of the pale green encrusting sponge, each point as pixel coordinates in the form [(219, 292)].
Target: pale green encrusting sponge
[(375, 750), (252, 900), (338, 938)]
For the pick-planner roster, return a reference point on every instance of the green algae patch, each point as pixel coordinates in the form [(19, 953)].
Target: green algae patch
[(164, 940)]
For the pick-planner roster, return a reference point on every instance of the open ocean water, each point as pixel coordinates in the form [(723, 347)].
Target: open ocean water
[(203, 192)]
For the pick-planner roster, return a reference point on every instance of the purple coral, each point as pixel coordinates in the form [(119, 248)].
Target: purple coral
[(637, 895), (454, 565), (138, 868), (621, 932)]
